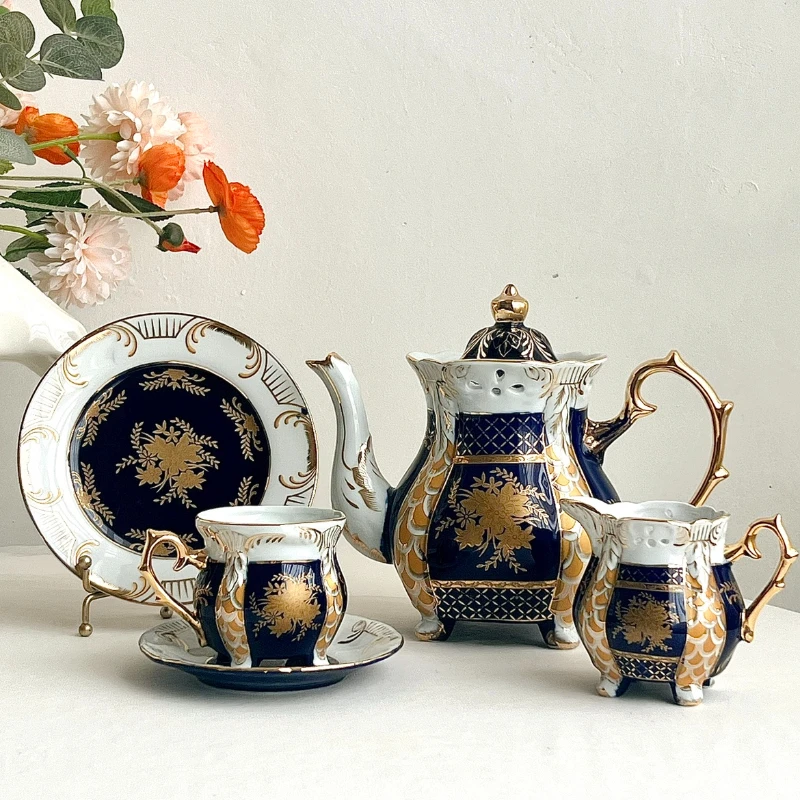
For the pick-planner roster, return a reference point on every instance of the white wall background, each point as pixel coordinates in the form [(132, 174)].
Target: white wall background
[(631, 166)]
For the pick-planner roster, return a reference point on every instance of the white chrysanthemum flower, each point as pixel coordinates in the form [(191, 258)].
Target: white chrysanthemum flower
[(9, 117), (88, 257), (197, 150), (137, 113)]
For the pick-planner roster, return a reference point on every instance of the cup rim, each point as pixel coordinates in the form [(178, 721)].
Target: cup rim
[(268, 516), (652, 511)]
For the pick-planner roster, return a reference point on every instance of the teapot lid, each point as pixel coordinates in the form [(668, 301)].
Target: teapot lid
[(509, 339)]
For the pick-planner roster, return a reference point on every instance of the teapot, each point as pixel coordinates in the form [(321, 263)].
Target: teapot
[(659, 601), (34, 331), (475, 527)]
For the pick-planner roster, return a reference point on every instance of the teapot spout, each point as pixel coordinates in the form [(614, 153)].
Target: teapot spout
[(358, 488)]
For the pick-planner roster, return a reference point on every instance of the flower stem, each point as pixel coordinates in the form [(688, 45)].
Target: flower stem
[(62, 178), (73, 187), (121, 197), (75, 160), (109, 212), (71, 178), (78, 183), (81, 137), (39, 237)]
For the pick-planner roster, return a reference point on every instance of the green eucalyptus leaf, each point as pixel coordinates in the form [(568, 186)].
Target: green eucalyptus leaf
[(5, 166), (103, 38), (12, 61), (62, 55), (139, 203), (15, 148), (8, 98), (31, 79), (60, 13), (17, 29), (97, 8), (63, 194), (34, 217), (22, 247), (3, 10)]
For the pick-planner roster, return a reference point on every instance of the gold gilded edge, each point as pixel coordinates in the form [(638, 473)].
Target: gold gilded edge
[(645, 656), (490, 584), (396, 645), (649, 587), (535, 458)]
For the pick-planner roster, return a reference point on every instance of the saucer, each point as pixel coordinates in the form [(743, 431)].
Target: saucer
[(359, 643)]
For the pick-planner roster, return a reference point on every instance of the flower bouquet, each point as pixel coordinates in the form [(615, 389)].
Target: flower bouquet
[(130, 159)]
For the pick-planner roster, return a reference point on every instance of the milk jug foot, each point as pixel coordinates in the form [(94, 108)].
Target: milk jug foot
[(608, 687), (559, 637), (691, 695), (433, 629), (709, 682)]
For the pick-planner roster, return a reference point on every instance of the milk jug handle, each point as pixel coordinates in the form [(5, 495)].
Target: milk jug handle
[(184, 555), (599, 435), (747, 547)]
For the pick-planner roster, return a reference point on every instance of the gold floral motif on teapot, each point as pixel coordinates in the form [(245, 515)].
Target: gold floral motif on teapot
[(496, 515)]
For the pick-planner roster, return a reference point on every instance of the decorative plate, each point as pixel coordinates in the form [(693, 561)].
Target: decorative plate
[(359, 642), (147, 421)]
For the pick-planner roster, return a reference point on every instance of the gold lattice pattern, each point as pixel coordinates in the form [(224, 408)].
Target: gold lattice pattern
[(504, 605), (646, 669)]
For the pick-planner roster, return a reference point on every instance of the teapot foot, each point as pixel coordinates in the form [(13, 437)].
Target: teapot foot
[(432, 629), (559, 637), (691, 695), (608, 687)]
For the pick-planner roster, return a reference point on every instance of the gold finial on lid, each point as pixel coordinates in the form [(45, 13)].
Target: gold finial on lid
[(509, 306)]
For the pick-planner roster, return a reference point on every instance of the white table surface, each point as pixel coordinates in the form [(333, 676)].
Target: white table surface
[(487, 714)]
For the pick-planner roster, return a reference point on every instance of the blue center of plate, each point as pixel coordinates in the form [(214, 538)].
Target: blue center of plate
[(159, 444)]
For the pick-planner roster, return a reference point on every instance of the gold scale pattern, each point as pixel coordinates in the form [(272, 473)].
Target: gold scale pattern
[(594, 610), (705, 630)]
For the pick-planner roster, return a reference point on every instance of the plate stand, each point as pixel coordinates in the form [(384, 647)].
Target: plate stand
[(84, 569)]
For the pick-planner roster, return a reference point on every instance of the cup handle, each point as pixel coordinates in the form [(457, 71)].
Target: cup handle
[(184, 555), (599, 435), (747, 547)]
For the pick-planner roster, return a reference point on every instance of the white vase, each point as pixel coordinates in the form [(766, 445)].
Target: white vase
[(33, 330)]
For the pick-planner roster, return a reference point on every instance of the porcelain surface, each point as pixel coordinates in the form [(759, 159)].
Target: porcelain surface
[(145, 421), (659, 601), (475, 528), (269, 586), (34, 331), (359, 643)]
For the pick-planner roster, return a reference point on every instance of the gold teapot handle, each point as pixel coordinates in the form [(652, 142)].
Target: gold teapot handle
[(599, 435), (747, 547), (184, 555)]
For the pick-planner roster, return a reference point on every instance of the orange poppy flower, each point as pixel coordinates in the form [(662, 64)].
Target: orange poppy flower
[(240, 213), (37, 127), (160, 169)]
